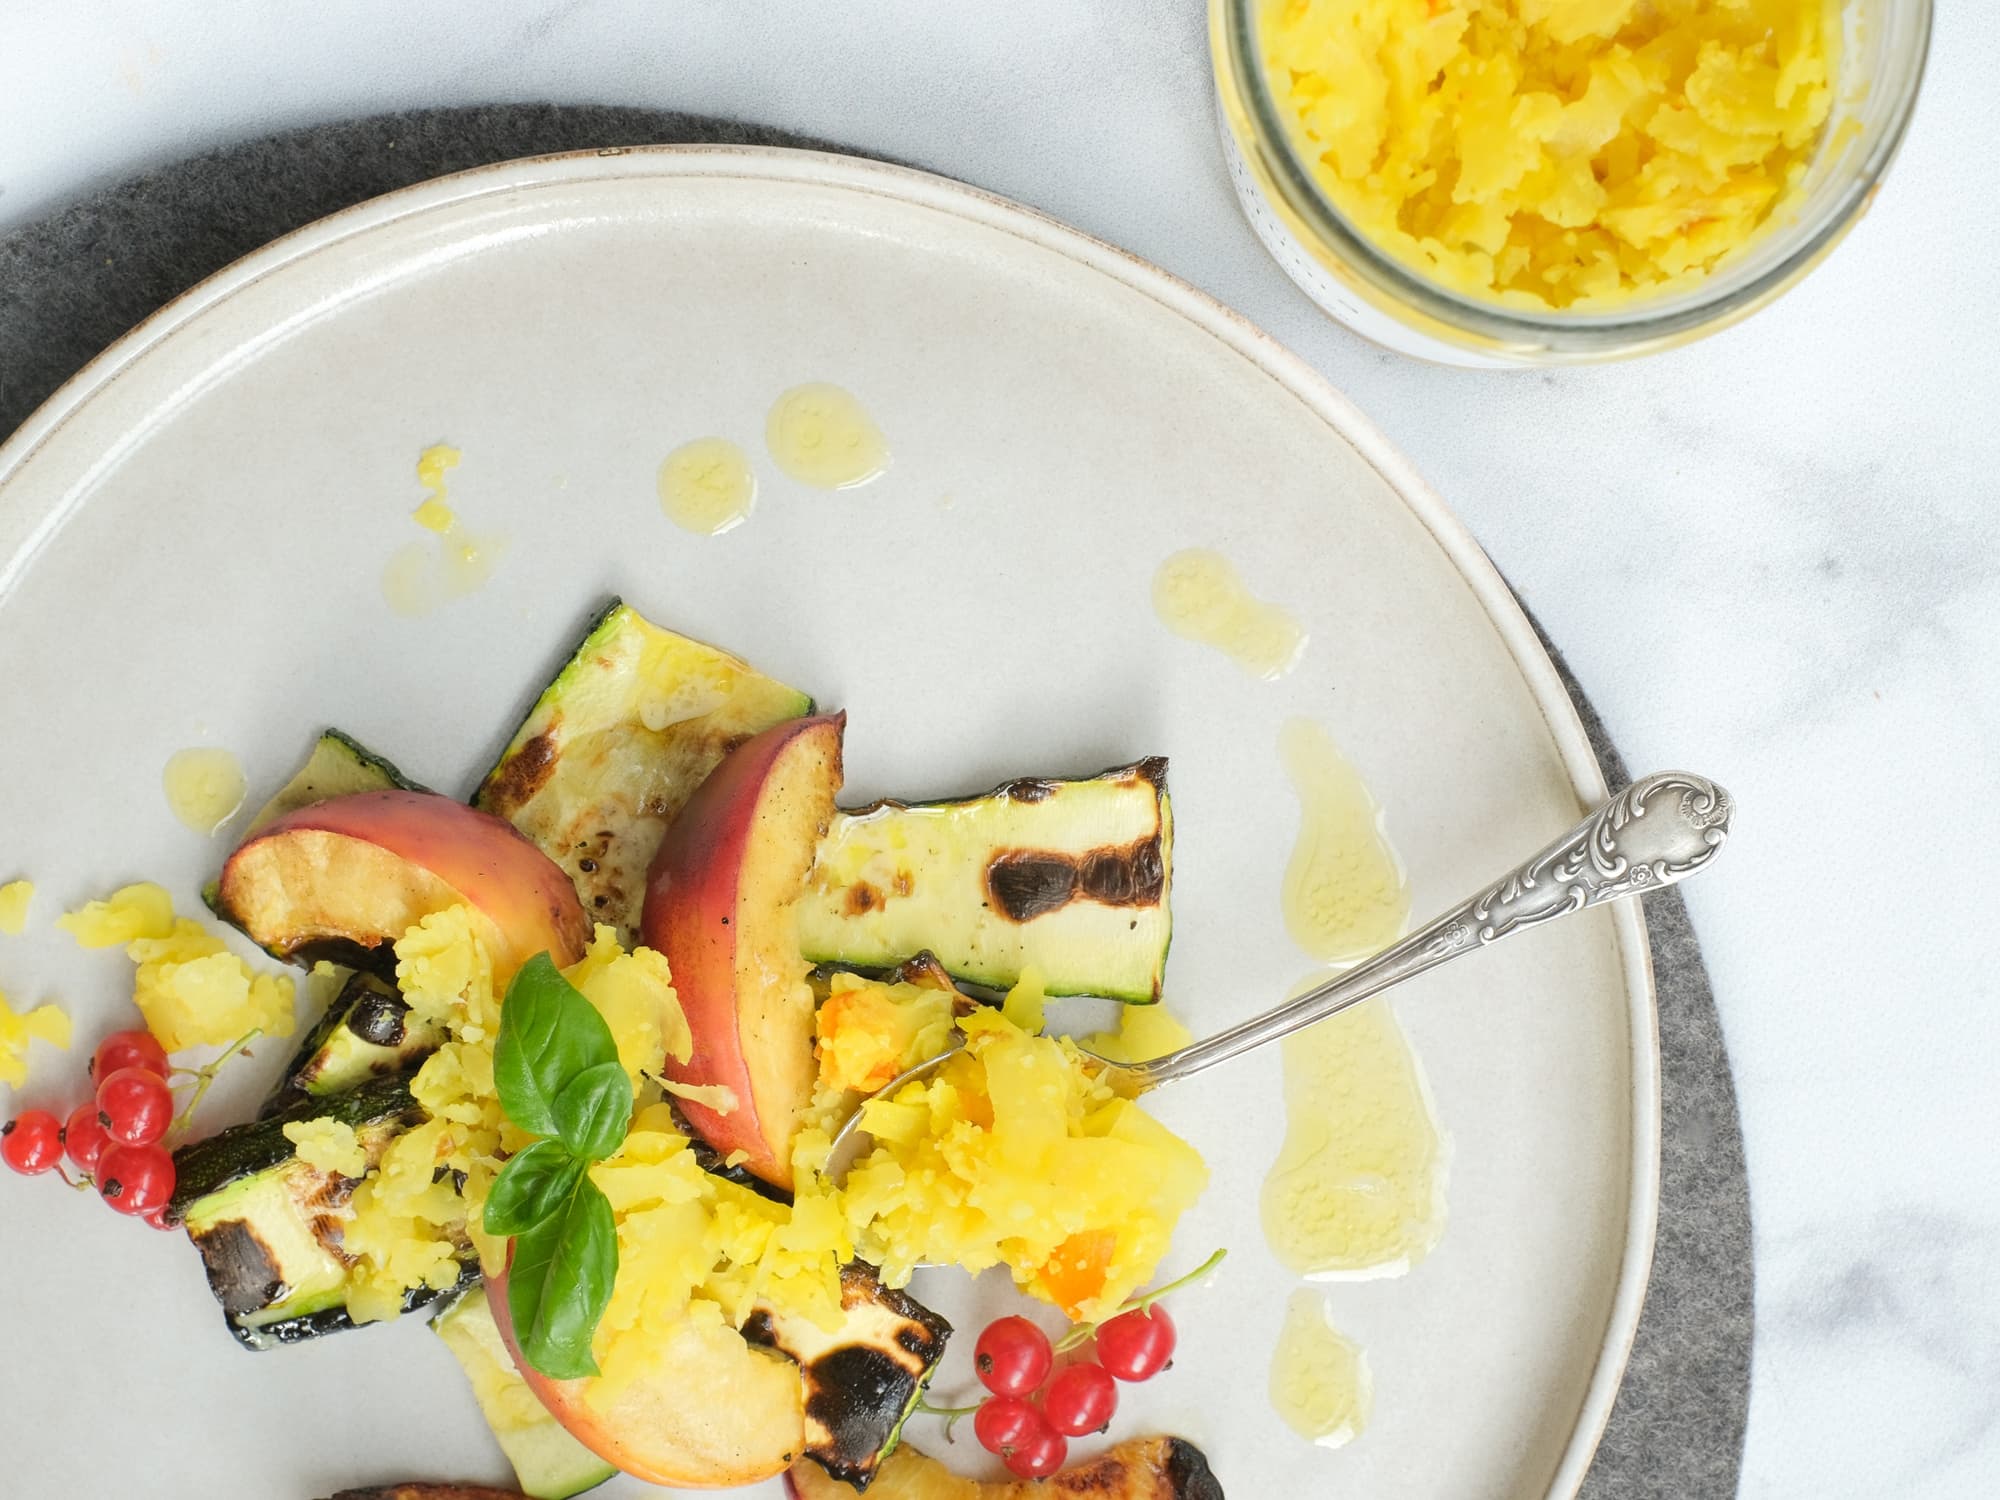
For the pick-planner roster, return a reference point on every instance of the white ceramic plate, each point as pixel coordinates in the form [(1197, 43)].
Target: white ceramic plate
[(192, 535)]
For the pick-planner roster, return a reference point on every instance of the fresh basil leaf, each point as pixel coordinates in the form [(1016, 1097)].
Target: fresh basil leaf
[(560, 1283), (549, 1033), (594, 1110), (536, 1184)]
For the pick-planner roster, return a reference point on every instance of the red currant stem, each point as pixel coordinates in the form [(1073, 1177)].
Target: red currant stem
[(952, 1415), (1082, 1331), (82, 1184), (204, 1076)]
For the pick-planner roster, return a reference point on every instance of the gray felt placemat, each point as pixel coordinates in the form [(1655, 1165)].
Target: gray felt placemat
[(74, 282)]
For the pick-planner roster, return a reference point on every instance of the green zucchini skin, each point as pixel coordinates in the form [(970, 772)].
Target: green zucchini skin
[(337, 765), (367, 1032), (205, 1167), (308, 1326)]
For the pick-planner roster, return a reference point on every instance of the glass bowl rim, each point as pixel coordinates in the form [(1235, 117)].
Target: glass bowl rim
[(1713, 301)]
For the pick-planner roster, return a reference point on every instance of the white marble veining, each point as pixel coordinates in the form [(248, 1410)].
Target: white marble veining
[(1774, 557)]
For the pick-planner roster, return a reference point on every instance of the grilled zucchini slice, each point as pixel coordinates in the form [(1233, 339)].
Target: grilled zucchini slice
[(367, 1032), (1070, 878), (267, 1224), (616, 745), (338, 765)]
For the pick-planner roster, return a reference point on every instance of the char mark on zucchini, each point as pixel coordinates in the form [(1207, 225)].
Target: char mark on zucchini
[(863, 1379), (1028, 883)]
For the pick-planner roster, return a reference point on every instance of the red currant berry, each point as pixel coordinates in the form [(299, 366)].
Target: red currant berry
[(128, 1049), (136, 1179), (31, 1142), (1137, 1345), (156, 1218), (1012, 1357), (1040, 1456), (134, 1106), (1002, 1423), (84, 1137), (1080, 1399)]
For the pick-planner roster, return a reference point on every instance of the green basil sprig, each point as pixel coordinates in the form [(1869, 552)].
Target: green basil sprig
[(559, 1077)]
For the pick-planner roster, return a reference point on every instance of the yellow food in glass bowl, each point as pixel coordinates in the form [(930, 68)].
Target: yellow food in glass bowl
[(1554, 153)]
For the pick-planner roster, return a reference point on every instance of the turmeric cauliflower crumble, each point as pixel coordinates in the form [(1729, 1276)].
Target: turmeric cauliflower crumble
[(1555, 153), (15, 897), (44, 1023), (191, 989), (692, 1246), (1013, 1155)]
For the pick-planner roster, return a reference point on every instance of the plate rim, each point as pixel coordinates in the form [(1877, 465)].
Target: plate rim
[(791, 166)]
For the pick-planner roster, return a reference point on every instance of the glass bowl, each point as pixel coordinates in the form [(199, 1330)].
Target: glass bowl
[(1884, 46)]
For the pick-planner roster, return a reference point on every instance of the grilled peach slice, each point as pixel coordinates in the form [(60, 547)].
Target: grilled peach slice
[(709, 1412), (719, 904), (343, 879)]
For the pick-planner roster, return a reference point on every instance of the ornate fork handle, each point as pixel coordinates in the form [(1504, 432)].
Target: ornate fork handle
[(1656, 832)]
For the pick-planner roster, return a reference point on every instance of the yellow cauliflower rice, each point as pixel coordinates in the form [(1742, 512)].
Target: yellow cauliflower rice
[(1144, 1033), (44, 1023), (869, 1032), (15, 897), (134, 911), (692, 1246), (1555, 153), (191, 989), (330, 1145), (1012, 1154)]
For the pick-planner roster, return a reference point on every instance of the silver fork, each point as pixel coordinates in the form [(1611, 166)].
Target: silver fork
[(1655, 833)]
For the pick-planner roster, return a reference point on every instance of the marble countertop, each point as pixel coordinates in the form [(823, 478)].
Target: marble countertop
[(1774, 556)]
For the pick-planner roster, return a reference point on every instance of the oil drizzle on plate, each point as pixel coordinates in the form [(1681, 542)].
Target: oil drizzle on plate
[(1198, 594), (707, 486), (1145, 1032), (1320, 1384), (1344, 892), (424, 575), (822, 436), (204, 787), (1358, 1189)]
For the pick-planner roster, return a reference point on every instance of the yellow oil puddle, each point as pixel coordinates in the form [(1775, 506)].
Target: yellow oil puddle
[(1358, 1189), (821, 435), (1199, 595), (1320, 1383), (204, 787), (1344, 893), (707, 486)]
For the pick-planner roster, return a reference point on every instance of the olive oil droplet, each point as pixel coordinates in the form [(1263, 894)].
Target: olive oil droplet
[(1358, 1189), (707, 486), (1320, 1383), (1344, 894), (421, 576), (822, 436), (204, 787), (1198, 595)]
